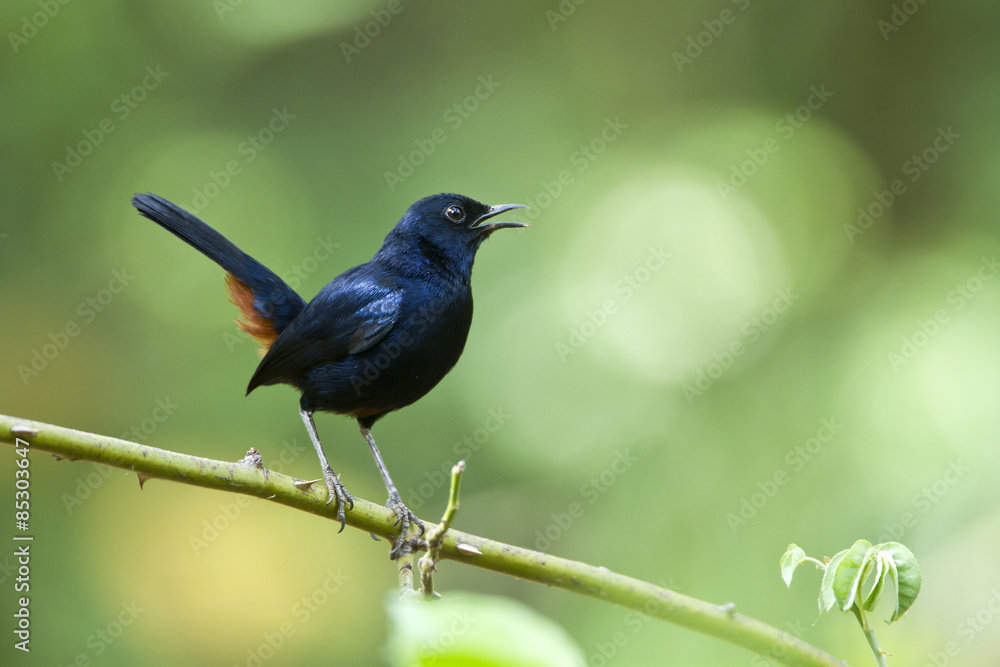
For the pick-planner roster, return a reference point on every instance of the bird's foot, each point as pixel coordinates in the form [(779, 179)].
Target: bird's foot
[(336, 490), (404, 517)]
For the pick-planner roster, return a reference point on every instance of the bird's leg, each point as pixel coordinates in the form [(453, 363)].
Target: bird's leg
[(333, 485), (395, 503)]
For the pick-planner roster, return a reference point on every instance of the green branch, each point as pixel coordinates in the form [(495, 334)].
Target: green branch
[(870, 636), (719, 621), (435, 537)]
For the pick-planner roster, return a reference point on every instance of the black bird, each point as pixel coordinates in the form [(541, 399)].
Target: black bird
[(377, 337)]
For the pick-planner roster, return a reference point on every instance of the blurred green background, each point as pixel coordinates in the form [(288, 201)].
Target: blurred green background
[(762, 272)]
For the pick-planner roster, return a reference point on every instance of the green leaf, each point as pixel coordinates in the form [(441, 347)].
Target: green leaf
[(471, 629), (791, 559), (905, 574), (827, 598), (849, 573), (883, 566)]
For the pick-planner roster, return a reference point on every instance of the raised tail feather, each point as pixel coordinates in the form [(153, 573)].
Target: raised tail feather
[(267, 303)]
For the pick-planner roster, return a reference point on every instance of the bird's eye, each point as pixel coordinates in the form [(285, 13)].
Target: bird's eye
[(455, 213)]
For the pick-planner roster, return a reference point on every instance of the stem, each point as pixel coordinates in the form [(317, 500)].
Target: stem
[(719, 621), (405, 574), (435, 537), (870, 635)]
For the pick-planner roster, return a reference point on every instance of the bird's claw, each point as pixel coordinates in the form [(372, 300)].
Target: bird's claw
[(404, 517), (336, 490)]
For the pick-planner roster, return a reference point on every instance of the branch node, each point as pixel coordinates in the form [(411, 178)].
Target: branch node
[(253, 459)]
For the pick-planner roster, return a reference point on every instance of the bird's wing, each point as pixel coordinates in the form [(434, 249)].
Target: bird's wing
[(350, 315)]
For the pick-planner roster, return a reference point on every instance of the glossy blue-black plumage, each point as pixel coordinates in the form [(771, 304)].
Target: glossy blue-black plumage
[(381, 335), (377, 337)]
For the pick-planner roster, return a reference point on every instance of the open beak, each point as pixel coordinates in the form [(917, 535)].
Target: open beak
[(481, 223)]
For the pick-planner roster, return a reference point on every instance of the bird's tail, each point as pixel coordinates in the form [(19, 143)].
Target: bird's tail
[(266, 301)]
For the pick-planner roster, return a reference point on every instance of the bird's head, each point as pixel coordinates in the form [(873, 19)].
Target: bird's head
[(448, 228)]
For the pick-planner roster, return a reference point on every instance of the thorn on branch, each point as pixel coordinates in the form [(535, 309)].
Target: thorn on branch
[(468, 549), (23, 431)]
